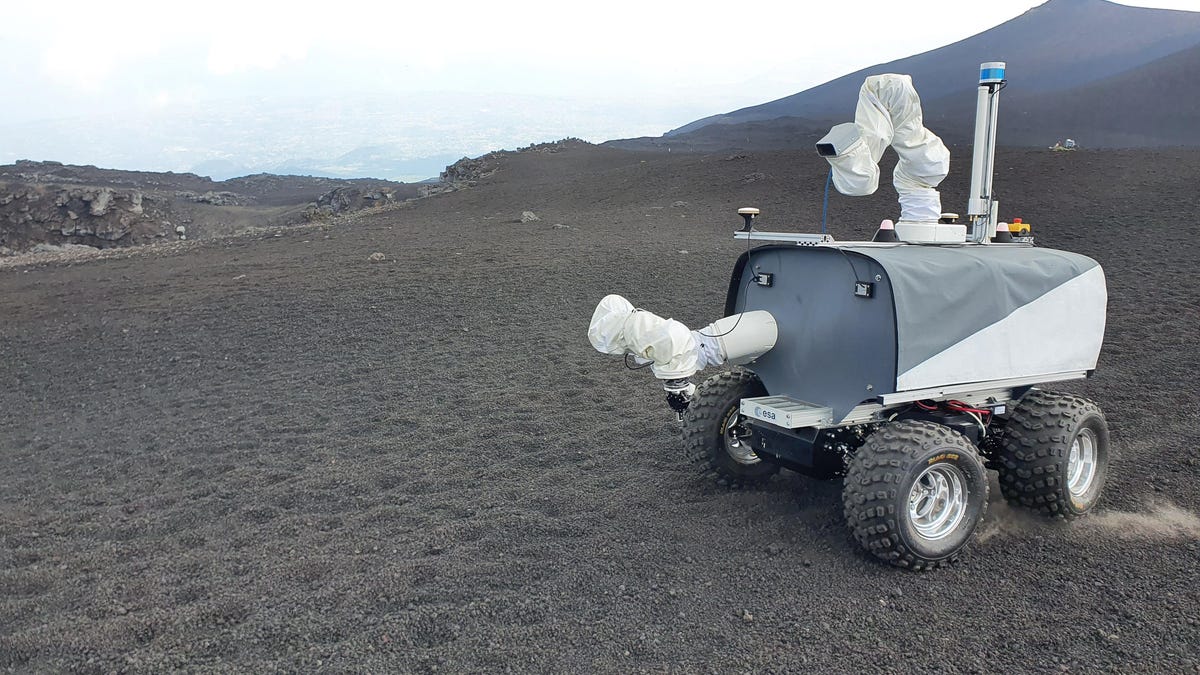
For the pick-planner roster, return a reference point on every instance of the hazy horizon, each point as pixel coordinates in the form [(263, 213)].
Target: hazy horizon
[(237, 88)]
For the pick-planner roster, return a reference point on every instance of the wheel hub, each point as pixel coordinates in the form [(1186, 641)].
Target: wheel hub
[(937, 501), (734, 437), (1081, 464)]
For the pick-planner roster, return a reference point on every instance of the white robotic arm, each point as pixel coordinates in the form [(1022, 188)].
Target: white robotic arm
[(674, 351), (889, 113)]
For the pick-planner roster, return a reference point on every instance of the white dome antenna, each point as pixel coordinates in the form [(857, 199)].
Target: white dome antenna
[(748, 214)]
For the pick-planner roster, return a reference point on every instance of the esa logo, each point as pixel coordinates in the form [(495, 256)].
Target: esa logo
[(763, 414)]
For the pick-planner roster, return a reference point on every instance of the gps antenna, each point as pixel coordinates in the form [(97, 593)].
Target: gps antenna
[(748, 214)]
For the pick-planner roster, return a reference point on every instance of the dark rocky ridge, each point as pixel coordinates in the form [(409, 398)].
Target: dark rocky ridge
[(57, 204), (1105, 74), (49, 203)]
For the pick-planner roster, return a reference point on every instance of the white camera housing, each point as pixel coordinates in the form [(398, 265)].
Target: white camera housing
[(839, 139)]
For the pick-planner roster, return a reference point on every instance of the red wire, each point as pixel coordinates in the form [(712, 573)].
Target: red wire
[(963, 407), (956, 406)]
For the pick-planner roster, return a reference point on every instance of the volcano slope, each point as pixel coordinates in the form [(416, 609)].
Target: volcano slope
[(269, 453)]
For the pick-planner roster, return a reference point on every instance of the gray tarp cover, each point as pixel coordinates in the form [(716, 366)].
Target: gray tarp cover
[(945, 293)]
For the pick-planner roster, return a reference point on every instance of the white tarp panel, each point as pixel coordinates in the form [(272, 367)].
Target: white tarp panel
[(1061, 331)]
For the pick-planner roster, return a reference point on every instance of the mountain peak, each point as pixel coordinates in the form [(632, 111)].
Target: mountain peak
[(1053, 48)]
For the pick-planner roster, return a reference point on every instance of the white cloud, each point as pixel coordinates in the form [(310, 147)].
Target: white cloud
[(236, 53), (92, 47), (730, 55), (617, 44)]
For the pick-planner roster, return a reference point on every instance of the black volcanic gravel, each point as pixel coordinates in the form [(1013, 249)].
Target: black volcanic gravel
[(271, 454)]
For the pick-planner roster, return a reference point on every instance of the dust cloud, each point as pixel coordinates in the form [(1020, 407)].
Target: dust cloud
[(1161, 520), (1156, 520)]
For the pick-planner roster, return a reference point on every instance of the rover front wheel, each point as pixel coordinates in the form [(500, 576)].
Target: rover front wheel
[(715, 435), (914, 494)]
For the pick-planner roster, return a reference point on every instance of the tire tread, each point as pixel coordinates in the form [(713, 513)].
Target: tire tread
[(1037, 441), (871, 485), (701, 428)]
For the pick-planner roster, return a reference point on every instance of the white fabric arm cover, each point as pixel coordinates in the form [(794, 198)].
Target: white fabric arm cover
[(619, 328), (855, 169), (889, 113)]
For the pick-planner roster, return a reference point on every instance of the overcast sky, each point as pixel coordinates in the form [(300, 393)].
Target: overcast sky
[(164, 85), (71, 58)]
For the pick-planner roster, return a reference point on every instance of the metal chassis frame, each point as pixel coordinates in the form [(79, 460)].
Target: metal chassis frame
[(801, 415)]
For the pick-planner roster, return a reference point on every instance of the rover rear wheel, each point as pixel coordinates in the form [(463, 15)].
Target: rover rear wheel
[(1054, 457), (914, 494), (715, 434)]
